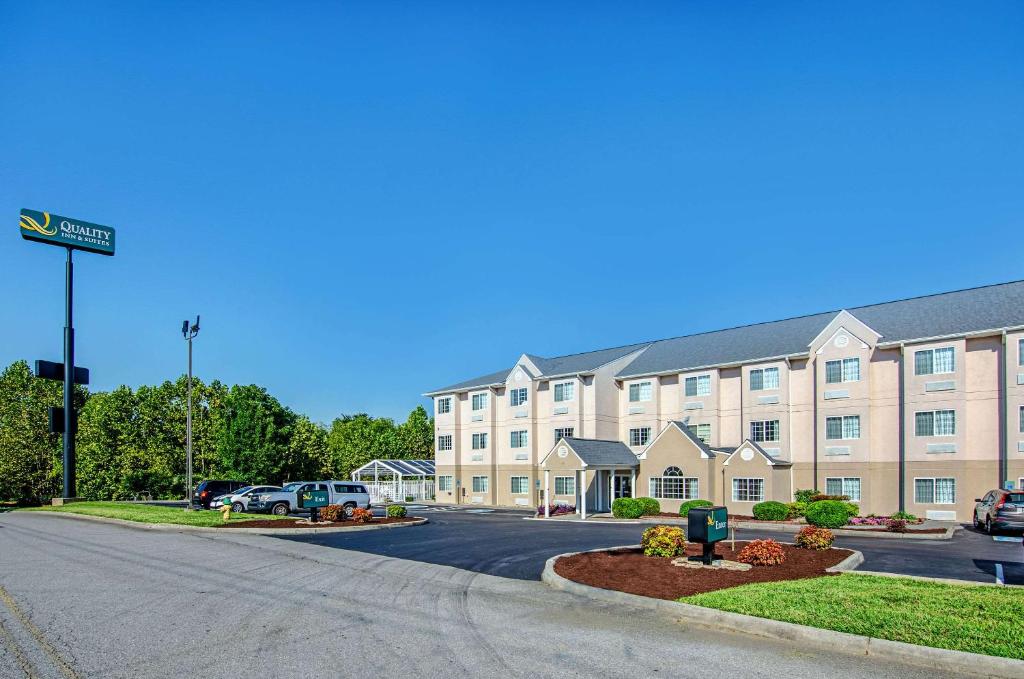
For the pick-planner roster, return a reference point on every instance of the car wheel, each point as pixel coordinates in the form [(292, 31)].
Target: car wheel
[(280, 510), (988, 525), (237, 507), (977, 524), (349, 510)]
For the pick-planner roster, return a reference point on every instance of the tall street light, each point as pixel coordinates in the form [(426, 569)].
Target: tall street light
[(189, 332)]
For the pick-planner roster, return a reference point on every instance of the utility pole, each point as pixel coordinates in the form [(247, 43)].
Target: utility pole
[(189, 332), (69, 382)]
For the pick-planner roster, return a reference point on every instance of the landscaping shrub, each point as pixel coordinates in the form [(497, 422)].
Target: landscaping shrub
[(627, 508), (821, 496), (852, 508), (771, 511), (906, 516), (360, 515), (331, 512), (665, 541), (685, 508), (649, 505), (557, 509), (762, 553), (810, 537), (896, 525), (397, 511), (805, 495), (827, 514), (796, 510), (409, 498)]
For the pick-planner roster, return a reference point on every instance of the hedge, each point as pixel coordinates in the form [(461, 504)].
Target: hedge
[(828, 514), (627, 508), (685, 508), (771, 511), (649, 505)]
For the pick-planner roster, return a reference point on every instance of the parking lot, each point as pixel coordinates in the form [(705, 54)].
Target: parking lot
[(501, 542)]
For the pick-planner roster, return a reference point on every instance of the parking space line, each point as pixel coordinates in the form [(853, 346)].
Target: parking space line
[(1000, 579)]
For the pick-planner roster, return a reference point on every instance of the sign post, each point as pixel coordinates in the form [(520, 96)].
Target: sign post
[(313, 500), (71, 234), (707, 526)]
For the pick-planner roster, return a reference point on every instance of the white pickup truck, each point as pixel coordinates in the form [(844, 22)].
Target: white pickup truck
[(348, 494)]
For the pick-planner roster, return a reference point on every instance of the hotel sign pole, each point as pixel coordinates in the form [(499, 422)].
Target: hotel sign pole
[(71, 234)]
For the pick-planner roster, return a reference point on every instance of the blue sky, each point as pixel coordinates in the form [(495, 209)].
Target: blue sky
[(366, 201)]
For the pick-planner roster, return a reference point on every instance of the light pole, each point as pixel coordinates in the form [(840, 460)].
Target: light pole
[(189, 333)]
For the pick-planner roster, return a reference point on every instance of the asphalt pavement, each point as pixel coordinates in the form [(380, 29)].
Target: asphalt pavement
[(81, 599)]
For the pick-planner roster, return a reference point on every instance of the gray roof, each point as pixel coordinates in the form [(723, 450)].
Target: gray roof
[(950, 313), (595, 452), (560, 365), (688, 433)]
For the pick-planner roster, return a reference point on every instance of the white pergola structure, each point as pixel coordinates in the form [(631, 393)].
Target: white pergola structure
[(395, 480)]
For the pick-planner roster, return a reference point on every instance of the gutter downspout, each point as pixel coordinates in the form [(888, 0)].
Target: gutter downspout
[(903, 433), (814, 484), (1004, 435)]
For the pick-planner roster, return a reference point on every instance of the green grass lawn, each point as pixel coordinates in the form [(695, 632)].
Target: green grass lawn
[(987, 620), (147, 513)]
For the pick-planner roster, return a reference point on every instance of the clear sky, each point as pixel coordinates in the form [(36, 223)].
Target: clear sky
[(366, 201)]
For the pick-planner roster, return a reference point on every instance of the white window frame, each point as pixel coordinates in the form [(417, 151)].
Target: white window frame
[(444, 442), (568, 485), (571, 434), (688, 486), (705, 439), (701, 385), (560, 392), (518, 397), (481, 487), (479, 402), (637, 433), (1020, 351), (762, 372), (934, 481), (845, 484), (931, 370), (519, 438), (934, 421), (642, 394), (847, 368), (750, 498), (444, 483), (524, 480), (480, 441), (845, 427), (764, 431), (444, 405)]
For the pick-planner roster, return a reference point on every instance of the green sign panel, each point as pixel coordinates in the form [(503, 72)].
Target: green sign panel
[(67, 232), (313, 498), (718, 524)]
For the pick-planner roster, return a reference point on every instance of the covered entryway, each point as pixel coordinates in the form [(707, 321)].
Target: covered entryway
[(588, 474), (397, 480)]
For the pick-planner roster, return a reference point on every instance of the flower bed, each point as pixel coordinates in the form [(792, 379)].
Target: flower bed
[(630, 571), (878, 521)]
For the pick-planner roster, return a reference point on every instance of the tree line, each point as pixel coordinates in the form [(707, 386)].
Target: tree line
[(132, 442)]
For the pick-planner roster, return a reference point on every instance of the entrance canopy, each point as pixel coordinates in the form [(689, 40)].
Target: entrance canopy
[(591, 454), (387, 469), (397, 480)]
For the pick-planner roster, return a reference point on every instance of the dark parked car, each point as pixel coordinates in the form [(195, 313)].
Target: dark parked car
[(207, 490), (1000, 509)]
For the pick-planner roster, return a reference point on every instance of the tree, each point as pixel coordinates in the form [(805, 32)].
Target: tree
[(416, 436), (254, 436), (354, 440), (309, 456)]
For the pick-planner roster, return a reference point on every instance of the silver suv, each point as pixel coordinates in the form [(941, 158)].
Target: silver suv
[(1000, 509)]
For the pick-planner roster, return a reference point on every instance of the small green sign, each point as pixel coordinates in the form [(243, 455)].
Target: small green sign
[(313, 498), (718, 524), (66, 232)]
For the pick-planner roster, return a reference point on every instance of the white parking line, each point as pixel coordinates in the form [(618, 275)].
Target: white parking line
[(999, 574)]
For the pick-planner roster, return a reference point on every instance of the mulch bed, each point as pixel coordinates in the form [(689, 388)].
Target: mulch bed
[(886, 530), (630, 571), (295, 523)]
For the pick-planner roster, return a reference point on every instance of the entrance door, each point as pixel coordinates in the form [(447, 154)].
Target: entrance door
[(622, 486)]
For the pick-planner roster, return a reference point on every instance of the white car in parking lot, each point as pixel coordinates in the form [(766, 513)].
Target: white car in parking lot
[(239, 500)]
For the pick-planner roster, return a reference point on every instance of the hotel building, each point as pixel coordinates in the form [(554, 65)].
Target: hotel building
[(916, 404)]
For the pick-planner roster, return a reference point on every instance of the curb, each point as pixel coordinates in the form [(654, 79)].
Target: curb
[(177, 528), (969, 664), (771, 527)]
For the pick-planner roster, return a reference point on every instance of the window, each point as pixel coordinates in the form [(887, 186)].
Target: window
[(937, 491), (748, 490), (639, 436), (698, 386), (846, 427), (517, 397), (444, 405), (845, 370), (520, 485), (672, 485), (844, 485), (934, 361), (766, 430), (479, 401), (564, 432), (702, 431), (641, 391), (444, 483), (764, 378), (565, 485), (519, 439), (444, 442), (1020, 352), (480, 484), (479, 441), (1022, 419), (935, 423), (566, 391)]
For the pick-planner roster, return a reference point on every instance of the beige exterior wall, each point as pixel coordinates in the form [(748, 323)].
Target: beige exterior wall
[(673, 449), (986, 400)]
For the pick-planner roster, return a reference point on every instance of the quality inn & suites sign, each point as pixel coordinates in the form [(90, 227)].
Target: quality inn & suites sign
[(67, 232)]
